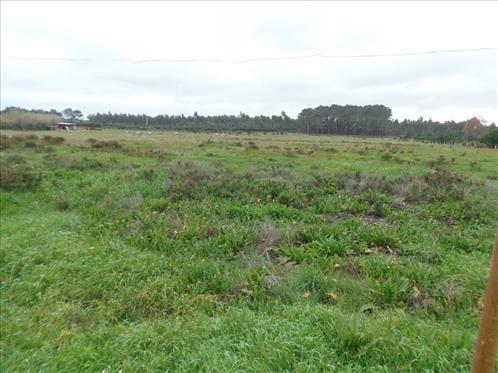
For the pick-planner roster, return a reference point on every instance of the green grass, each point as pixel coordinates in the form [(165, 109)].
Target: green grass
[(201, 252)]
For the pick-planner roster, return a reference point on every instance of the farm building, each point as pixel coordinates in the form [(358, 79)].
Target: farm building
[(63, 126)]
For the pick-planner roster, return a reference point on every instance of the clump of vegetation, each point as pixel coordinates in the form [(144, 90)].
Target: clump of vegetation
[(359, 183), (274, 147), (436, 186), (19, 177), (54, 140), (474, 165), (290, 152), (207, 142), (30, 144), (31, 141), (62, 203), (252, 146), (187, 180), (438, 162), (106, 145), (268, 237)]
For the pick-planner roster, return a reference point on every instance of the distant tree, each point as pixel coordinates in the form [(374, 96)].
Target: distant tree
[(77, 114), (67, 113), (474, 129), (491, 138), (72, 114)]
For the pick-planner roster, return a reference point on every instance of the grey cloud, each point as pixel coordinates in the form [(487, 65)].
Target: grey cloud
[(437, 83)]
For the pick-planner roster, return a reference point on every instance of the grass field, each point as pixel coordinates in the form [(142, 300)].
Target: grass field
[(163, 251)]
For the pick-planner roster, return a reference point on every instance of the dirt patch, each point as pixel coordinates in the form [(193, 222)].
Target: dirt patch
[(349, 268), (341, 217), (273, 280), (450, 222), (399, 204), (374, 219), (386, 250), (418, 301)]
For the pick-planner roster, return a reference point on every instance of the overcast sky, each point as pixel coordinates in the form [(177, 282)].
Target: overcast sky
[(441, 86)]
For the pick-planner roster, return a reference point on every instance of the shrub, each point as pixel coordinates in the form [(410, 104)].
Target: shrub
[(15, 159), (435, 186), (54, 140), (290, 153), (62, 203), (361, 183), (30, 144), (252, 146), (377, 202), (438, 162), (271, 188), (268, 236), (187, 180), (110, 145), (207, 142), (18, 178), (414, 190)]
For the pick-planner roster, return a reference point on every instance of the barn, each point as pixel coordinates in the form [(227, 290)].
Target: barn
[(63, 126)]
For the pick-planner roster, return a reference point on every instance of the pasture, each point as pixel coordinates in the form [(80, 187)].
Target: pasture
[(164, 251)]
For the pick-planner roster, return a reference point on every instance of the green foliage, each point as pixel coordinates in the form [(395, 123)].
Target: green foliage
[(491, 138)]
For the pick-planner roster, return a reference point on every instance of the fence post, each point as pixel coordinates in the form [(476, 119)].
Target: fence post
[(487, 339)]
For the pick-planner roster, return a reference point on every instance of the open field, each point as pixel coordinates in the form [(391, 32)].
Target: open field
[(170, 251)]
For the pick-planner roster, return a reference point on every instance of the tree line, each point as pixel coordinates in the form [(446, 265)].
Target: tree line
[(368, 120)]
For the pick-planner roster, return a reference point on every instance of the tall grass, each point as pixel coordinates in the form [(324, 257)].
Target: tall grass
[(25, 120)]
